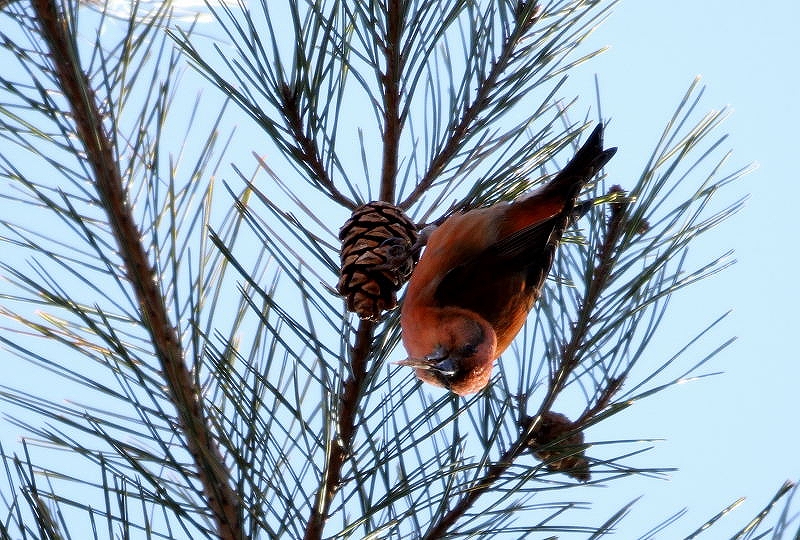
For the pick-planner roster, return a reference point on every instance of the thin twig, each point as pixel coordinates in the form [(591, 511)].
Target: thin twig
[(494, 472), (602, 272), (392, 125), (606, 393), (346, 427), (306, 150), (464, 126), (211, 469)]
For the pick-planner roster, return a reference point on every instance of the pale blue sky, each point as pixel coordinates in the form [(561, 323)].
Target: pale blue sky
[(734, 434)]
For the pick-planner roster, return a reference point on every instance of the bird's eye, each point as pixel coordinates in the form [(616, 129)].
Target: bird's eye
[(468, 350), (445, 367)]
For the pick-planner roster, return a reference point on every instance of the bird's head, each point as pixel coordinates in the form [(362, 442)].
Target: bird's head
[(460, 353)]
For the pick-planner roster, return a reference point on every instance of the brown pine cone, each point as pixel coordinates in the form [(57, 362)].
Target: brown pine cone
[(377, 258), (567, 455)]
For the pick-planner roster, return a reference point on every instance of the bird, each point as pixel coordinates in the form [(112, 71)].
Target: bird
[(481, 272)]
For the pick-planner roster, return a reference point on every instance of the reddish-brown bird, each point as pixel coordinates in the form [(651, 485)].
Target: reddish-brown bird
[(481, 273)]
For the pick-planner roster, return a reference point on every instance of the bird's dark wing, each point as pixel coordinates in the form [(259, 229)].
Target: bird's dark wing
[(506, 276)]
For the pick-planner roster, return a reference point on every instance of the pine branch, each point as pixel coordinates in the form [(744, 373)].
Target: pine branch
[(392, 123), (211, 467), (305, 149), (570, 357), (302, 97), (346, 428), (460, 130)]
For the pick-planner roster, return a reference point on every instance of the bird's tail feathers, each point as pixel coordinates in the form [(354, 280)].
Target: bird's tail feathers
[(587, 161)]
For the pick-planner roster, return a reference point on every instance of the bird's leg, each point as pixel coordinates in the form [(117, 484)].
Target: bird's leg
[(422, 239)]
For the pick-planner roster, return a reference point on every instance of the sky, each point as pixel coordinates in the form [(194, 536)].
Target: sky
[(732, 435)]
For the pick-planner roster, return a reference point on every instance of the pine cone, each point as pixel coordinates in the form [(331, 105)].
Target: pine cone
[(566, 456), (376, 258)]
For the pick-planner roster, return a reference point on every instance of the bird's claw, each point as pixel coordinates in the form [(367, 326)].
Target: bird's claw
[(398, 256), (401, 255)]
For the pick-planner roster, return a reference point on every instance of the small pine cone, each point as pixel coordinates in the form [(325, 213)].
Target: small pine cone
[(376, 258), (566, 456)]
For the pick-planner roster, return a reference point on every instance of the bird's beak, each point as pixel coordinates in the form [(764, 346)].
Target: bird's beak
[(444, 366)]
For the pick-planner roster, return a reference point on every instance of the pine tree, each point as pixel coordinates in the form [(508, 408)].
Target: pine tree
[(187, 310)]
